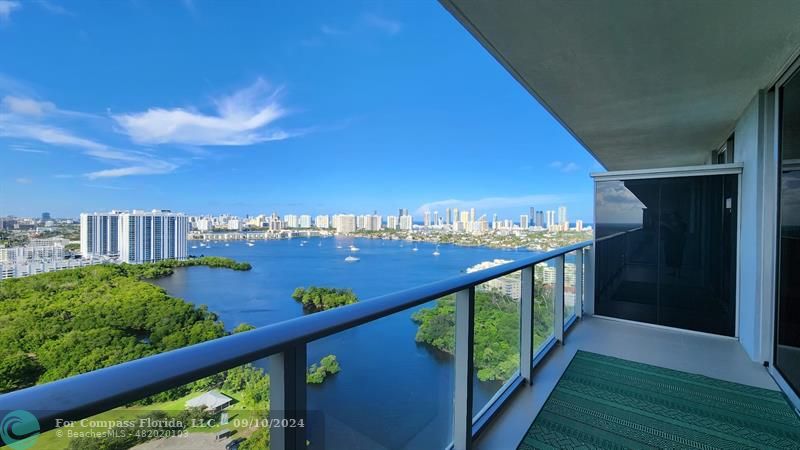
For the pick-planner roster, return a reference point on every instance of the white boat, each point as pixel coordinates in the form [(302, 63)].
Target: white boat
[(436, 252), (250, 244), (415, 249), (353, 248), (194, 246), (227, 245), (351, 259), (338, 246)]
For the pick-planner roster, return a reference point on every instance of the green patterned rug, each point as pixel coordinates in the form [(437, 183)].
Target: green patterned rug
[(605, 402)]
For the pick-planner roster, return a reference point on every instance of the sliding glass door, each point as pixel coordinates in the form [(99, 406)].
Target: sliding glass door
[(787, 317), (666, 251)]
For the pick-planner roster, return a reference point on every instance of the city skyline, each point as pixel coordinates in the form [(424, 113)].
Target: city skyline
[(389, 116)]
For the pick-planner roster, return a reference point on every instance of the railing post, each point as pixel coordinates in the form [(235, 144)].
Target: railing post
[(464, 340), (287, 397), (588, 281), (526, 324), (579, 283), (559, 299)]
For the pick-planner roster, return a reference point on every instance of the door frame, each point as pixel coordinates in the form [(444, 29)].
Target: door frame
[(734, 168), (773, 146)]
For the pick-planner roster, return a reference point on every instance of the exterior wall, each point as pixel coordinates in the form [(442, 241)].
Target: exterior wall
[(753, 147)]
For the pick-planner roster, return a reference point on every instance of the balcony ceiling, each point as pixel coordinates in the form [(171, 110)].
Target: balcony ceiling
[(642, 84)]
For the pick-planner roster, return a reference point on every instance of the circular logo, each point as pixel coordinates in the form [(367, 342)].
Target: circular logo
[(19, 430)]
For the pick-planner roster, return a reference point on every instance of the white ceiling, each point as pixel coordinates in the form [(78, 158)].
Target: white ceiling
[(641, 83)]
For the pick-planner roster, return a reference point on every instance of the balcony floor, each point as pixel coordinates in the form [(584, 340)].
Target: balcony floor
[(716, 357)]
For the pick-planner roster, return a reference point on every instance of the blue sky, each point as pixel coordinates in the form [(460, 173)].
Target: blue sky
[(249, 107)]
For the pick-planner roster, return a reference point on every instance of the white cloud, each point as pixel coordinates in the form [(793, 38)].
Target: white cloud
[(24, 180), (27, 106), (243, 118), (495, 203), (381, 23), (7, 7), (564, 167), (133, 163)]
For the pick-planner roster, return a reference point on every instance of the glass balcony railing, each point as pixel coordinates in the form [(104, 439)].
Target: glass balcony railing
[(259, 386)]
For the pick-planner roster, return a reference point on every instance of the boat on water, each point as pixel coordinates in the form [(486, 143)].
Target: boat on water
[(351, 259), (353, 248), (415, 249), (338, 246), (436, 252), (194, 246), (250, 244), (227, 245)]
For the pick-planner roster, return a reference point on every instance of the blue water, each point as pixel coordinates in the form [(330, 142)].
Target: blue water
[(391, 393)]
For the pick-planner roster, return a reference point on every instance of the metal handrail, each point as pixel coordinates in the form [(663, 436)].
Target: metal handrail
[(85, 395)]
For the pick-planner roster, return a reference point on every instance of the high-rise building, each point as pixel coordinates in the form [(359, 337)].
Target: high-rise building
[(551, 219), (344, 223), (523, 221), (304, 221), (322, 221), (436, 218), (562, 215), (531, 216), (406, 222), (391, 222), (290, 220), (45, 216), (100, 234), (471, 215), (426, 219), (447, 219), (539, 222), (135, 237), (455, 216), (464, 217), (578, 225)]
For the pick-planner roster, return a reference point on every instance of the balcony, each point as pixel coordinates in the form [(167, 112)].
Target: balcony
[(563, 276)]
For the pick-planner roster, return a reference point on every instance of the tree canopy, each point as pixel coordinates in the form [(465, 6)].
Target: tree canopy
[(64, 323), (496, 329), (315, 299)]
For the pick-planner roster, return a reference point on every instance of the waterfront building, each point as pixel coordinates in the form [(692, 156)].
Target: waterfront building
[(406, 222), (426, 219), (472, 215), (344, 223), (304, 221), (523, 221), (447, 219), (100, 234), (290, 221), (436, 218), (578, 225), (274, 222), (391, 222), (322, 221), (152, 236)]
